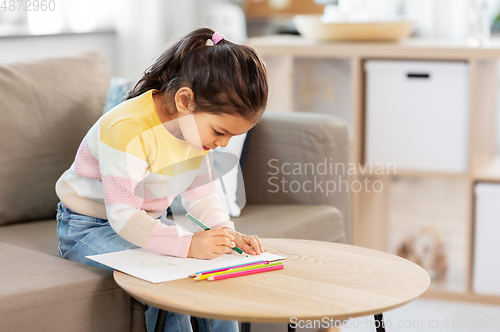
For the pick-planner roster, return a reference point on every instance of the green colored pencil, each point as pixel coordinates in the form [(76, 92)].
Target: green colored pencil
[(205, 227)]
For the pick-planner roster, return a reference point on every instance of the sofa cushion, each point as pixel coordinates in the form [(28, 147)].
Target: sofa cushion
[(293, 221), (40, 292), (47, 107), (40, 236)]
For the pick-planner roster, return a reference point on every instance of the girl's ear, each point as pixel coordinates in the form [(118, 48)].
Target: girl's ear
[(184, 100)]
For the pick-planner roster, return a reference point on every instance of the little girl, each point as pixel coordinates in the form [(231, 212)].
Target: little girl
[(144, 152)]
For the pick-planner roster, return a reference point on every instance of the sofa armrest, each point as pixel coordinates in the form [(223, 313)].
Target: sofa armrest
[(299, 158)]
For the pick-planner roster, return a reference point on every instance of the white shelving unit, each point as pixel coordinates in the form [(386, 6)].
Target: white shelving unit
[(370, 210)]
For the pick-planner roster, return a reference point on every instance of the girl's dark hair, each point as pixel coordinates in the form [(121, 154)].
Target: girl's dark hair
[(225, 78)]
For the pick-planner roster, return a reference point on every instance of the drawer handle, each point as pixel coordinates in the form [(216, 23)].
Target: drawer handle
[(418, 75)]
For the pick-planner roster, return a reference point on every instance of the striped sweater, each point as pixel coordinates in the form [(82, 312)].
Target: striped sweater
[(129, 168)]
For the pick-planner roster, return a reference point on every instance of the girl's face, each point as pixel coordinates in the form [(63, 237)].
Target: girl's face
[(207, 131), (201, 130)]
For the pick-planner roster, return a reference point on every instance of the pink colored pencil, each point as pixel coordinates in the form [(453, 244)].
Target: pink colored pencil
[(244, 273)]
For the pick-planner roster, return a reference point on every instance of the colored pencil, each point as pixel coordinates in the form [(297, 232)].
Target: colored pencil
[(252, 267), (244, 273), (205, 227), (206, 276), (237, 266)]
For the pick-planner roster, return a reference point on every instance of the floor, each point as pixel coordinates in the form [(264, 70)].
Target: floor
[(422, 315)]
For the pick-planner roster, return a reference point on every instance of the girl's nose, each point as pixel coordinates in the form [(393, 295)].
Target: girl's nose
[(222, 142)]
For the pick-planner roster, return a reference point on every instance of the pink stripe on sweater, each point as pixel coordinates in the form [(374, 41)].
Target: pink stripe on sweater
[(218, 219), (86, 164), (170, 240), (156, 205), (119, 190), (200, 187)]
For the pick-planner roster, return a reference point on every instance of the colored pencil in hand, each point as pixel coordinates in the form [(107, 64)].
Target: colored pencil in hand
[(205, 227), (244, 273)]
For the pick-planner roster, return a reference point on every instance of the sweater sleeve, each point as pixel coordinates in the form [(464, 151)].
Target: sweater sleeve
[(202, 201), (123, 158)]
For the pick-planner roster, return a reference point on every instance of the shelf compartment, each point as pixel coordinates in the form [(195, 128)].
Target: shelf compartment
[(489, 173), (417, 115), (428, 222), (486, 270)]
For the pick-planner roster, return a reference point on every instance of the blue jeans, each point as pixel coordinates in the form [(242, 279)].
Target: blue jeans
[(80, 235)]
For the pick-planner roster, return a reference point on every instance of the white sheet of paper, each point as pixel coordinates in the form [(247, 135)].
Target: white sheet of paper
[(155, 268)]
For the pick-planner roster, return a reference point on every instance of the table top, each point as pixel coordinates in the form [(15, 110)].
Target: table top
[(320, 279)]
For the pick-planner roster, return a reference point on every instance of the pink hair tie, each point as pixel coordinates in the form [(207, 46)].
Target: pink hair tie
[(217, 37)]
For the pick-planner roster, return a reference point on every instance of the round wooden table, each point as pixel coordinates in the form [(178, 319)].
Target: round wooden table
[(320, 279)]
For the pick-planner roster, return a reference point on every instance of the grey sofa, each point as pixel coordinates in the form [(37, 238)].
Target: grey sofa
[(46, 107)]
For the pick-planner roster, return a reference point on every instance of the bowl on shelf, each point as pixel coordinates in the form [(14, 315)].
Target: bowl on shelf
[(311, 27)]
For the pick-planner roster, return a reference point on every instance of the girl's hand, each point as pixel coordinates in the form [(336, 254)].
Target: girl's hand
[(251, 244), (210, 244)]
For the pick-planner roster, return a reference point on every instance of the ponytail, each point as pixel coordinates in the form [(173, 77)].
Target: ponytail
[(225, 77)]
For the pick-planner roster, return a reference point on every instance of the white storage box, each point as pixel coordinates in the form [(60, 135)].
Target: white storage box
[(417, 115), (486, 272)]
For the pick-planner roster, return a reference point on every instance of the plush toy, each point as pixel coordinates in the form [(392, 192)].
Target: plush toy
[(427, 250)]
